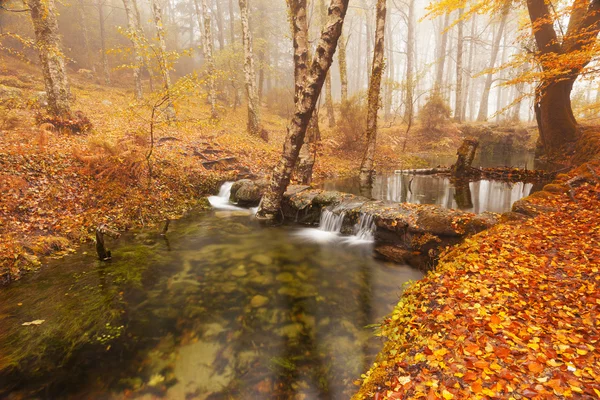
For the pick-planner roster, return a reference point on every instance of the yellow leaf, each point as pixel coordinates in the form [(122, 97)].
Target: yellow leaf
[(447, 395)]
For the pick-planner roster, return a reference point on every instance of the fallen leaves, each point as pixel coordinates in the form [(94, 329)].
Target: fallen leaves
[(511, 313)]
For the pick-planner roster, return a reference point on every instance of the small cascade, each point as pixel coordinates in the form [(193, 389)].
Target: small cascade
[(365, 229), (331, 222), (221, 201)]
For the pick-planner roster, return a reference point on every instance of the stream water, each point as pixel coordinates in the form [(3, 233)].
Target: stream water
[(220, 308), (477, 197)]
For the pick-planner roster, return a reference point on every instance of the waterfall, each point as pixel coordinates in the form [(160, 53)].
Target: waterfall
[(364, 230), (221, 201), (331, 222)]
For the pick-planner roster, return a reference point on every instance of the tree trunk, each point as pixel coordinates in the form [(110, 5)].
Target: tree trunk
[(410, 64), (554, 115), (366, 166), (307, 99), (439, 74), (358, 68), (467, 93), (389, 87), (220, 24), (142, 39), (369, 38), (500, 98), (483, 106), (86, 37), (459, 68), (47, 41), (162, 56), (249, 74), (231, 21), (344, 68), (134, 36), (207, 47), (105, 67), (328, 96)]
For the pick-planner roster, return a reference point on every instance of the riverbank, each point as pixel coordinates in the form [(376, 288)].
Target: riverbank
[(510, 313)]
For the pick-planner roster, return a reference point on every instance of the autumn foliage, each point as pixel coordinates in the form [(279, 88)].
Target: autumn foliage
[(510, 313)]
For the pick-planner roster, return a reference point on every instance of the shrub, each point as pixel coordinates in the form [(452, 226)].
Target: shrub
[(434, 116), (280, 101), (352, 124)]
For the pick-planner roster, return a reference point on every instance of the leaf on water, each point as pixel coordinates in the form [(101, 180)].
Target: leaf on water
[(36, 322)]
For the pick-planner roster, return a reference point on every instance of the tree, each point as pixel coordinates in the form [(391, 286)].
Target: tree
[(135, 37), (207, 49), (441, 54), (162, 58), (328, 96), (47, 42), (562, 61), (410, 64), (343, 43), (249, 73), (307, 99), (459, 68), (483, 106), (366, 166), (105, 67)]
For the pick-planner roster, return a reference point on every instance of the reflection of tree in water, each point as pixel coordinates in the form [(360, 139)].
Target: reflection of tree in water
[(462, 194)]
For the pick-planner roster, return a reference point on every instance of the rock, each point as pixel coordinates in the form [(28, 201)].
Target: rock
[(259, 301), (41, 99), (247, 193), (9, 93), (285, 277), (239, 271), (107, 103), (262, 259)]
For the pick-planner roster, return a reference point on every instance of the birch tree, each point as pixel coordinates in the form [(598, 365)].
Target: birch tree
[(162, 57), (48, 45), (485, 97), (307, 99), (366, 166), (459, 68), (249, 72), (134, 36), (207, 49), (105, 67)]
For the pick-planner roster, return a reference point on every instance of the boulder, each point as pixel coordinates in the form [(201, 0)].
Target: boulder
[(247, 193), (9, 93)]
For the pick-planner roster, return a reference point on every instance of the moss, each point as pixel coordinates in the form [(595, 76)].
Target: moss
[(556, 188)]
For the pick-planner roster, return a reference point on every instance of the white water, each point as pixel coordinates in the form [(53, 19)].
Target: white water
[(221, 201), (330, 225), (364, 230)]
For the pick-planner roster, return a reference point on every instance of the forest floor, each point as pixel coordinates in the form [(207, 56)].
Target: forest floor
[(511, 313), (57, 187)]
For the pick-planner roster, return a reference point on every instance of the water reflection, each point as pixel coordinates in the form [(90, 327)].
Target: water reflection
[(232, 310), (477, 197)]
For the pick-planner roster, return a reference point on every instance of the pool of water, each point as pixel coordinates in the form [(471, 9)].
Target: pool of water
[(477, 197), (220, 308)]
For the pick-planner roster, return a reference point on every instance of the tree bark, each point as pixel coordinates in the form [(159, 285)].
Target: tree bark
[(307, 99), (249, 73), (299, 25), (343, 68), (162, 56), (134, 36), (48, 44), (389, 87), (220, 25), (366, 167), (500, 98), (231, 22), (86, 37), (105, 66), (439, 74), (459, 68), (467, 93), (142, 39), (410, 62), (483, 106), (328, 96), (207, 47)]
